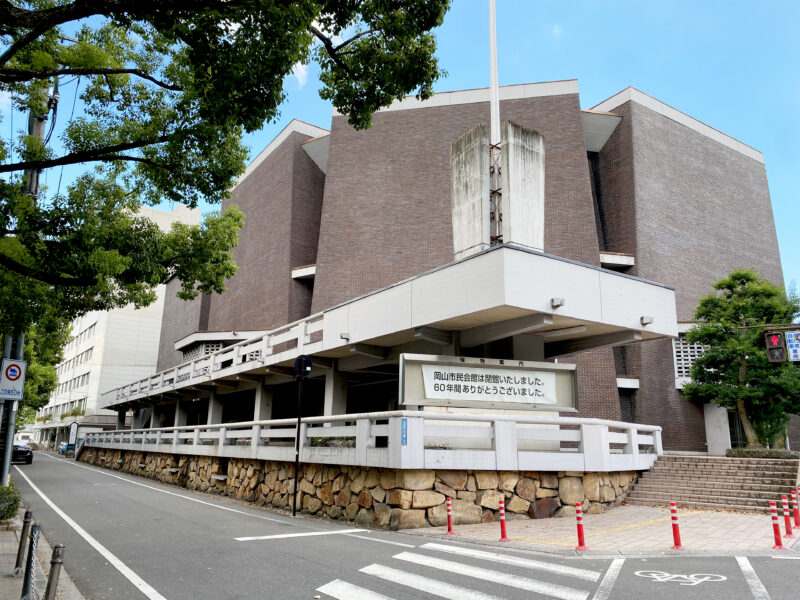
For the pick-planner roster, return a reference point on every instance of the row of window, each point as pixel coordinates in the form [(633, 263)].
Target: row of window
[(74, 362), (81, 337), (76, 382), (67, 407)]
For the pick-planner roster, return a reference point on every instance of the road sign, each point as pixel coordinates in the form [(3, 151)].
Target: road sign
[(12, 379), (793, 346)]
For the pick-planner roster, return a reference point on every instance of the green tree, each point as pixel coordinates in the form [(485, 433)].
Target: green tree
[(734, 370), (169, 86)]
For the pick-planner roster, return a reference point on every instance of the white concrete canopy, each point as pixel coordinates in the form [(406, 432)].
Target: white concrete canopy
[(502, 292)]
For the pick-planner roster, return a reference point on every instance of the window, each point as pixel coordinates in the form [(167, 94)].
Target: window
[(685, 355)]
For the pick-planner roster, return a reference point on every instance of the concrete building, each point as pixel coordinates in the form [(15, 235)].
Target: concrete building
[(106, 350), (354, 251)]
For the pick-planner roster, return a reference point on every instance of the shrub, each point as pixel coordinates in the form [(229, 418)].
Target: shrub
[(763, 453), (10, 499)]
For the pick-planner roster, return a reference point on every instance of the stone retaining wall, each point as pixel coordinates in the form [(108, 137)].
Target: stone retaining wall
[(385, 498)]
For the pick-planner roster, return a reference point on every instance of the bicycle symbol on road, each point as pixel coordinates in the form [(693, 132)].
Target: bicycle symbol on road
[(695, 579)]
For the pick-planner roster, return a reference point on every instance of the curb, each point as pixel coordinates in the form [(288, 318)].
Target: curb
[(568, 553)]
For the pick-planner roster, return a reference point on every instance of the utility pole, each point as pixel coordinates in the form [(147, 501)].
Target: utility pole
[(36, 126)]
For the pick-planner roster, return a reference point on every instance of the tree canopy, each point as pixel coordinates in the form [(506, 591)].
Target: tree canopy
[(168, 87), (734, 370)]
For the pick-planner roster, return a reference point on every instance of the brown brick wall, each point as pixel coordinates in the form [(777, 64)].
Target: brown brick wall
[(386, 212), (179, 319), (281, 201), (702, 210)]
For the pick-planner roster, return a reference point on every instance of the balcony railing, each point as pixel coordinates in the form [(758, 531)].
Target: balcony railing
[(305, 335), (413, 440)]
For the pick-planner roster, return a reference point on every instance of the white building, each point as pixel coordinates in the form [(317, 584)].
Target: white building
[(107, 350)]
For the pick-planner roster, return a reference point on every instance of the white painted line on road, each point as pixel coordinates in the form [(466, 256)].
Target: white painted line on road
[(522, 583), (120, 566), (516, 561), (374, 539), (786, 557), (426, 584), (155, 489), (604, 591), (341, 590), (756, 587), (296, 535)]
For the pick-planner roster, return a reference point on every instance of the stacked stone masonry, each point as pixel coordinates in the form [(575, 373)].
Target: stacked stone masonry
[(382, 498)]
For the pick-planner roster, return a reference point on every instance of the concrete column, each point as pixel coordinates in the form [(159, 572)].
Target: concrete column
[(335, 393), (718, 433), (121, 419), (263, 404), (154, 422), (140, 417), (527, 346), (180, 413), (214, 410)]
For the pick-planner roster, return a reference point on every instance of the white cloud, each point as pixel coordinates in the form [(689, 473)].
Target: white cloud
[(557, 31), (300, 72)]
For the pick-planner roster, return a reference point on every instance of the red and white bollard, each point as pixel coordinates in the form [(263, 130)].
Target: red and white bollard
[(676, 531), (450, 517), (579, 518), (795, 509), (503, 535), (776, 529), (787, 519)]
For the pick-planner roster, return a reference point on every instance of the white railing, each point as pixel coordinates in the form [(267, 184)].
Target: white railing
[(413, 440), (239, 358)]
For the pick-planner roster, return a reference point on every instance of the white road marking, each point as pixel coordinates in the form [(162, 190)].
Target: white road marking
[(756, 587), (341, 590), (426, 584), (517, 561), (787, 557), (126, 571), (604, 591), (150, 487), (374, 539), (296, 535), (522, 583)]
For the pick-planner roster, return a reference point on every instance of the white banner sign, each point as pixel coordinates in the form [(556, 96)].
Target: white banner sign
[(445, 382), (12, 379)]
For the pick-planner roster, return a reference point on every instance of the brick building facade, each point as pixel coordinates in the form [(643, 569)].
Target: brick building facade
[(632, 185)]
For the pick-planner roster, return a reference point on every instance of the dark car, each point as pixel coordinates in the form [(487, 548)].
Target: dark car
[(22, 453)]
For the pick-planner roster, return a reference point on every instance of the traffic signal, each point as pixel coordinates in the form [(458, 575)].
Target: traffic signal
[(776, 347)]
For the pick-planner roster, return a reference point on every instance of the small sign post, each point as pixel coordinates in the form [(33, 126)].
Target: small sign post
[(12, 379)]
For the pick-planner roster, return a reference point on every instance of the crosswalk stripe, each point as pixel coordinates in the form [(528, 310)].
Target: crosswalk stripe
[(426, 584), (341, 590), (523, 583), (517, 561)]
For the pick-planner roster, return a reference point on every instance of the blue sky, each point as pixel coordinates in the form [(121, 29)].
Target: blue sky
[(732, 65)]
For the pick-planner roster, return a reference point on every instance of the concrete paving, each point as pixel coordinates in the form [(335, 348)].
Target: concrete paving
[(633, 530)]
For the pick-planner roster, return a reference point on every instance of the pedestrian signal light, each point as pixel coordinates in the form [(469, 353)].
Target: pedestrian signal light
[(776, 347)]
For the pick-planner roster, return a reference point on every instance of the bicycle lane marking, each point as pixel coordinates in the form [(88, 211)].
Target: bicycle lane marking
[(112, 559), (682, 577)]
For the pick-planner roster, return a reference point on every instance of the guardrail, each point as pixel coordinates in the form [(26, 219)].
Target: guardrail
[(413, 440), (305, 335)]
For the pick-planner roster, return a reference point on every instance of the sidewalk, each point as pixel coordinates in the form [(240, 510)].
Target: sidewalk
[(632, 531), (10, 586)]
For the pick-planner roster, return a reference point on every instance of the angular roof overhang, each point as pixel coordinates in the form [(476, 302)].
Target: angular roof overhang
[(495, 294)]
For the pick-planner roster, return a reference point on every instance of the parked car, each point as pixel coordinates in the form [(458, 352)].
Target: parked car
[(22, 453)]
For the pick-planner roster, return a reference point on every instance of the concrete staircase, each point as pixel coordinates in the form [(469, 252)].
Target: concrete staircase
[(716, 482)]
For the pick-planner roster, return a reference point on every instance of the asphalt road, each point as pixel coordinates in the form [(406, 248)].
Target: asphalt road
[(131, 538)]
